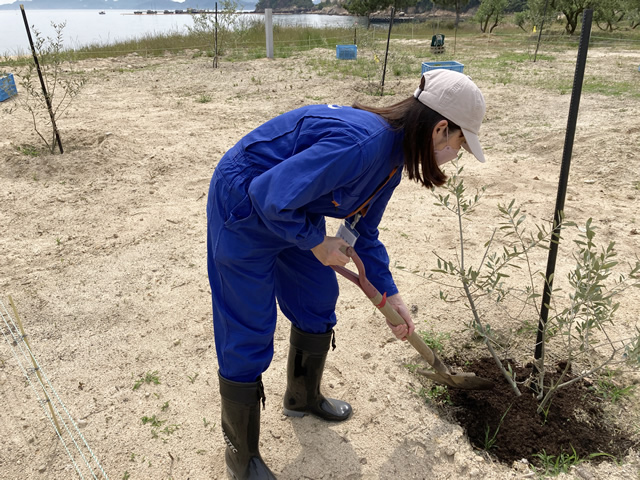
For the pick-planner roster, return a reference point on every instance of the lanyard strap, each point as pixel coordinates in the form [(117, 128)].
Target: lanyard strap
[(362, 209)]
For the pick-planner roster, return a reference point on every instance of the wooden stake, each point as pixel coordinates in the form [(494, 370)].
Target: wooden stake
[(35, 365)]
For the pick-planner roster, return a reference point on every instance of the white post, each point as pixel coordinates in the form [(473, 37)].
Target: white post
[(268, 27)]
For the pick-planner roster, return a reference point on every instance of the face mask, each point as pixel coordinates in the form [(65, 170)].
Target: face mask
[(446, 154)]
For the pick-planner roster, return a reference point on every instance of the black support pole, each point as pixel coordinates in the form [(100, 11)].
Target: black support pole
[(386, 54), (564, 177), (544, 14), (44, 88)]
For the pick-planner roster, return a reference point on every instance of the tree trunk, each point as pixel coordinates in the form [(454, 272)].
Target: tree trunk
[(572, 22), (495, 24)]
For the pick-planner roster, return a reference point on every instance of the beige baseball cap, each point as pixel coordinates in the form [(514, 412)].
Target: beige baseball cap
[(454, 96)]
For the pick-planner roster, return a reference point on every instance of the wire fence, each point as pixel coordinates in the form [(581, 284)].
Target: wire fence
[(286, 48), (250, 44), (81, 457)]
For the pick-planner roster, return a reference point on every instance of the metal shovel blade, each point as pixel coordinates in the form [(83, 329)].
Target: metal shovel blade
[(465, 381)]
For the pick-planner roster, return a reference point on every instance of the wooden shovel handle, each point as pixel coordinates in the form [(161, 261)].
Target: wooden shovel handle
[(414, 339), (387, 310)]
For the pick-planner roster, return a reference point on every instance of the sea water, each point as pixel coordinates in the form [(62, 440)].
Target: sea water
[(89, 27)]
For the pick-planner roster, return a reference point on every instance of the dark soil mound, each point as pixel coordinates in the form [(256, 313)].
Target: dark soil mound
[(576, 420)]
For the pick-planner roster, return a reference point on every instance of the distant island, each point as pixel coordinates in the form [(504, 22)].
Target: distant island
[(134, 5)]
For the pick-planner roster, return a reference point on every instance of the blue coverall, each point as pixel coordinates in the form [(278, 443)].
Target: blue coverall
[(267, 201)]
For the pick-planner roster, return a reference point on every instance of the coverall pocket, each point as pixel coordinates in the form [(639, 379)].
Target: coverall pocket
[(343, 201), (241, 211)]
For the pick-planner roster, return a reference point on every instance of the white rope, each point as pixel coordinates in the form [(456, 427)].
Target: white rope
[(16, 339)]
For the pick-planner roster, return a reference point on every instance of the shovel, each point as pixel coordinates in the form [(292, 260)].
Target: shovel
[(442, 374)]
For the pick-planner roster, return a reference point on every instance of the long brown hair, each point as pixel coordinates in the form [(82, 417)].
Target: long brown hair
[(418, 121)]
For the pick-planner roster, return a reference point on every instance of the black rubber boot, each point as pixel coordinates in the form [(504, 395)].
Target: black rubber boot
[(307, 354), (241, 429)]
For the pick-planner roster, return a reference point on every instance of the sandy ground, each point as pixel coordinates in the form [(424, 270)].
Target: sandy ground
[(103, 252)]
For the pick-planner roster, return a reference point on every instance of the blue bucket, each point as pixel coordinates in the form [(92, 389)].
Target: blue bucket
[(7, 87)]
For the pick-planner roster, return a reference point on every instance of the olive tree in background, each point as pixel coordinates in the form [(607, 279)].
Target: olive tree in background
[(364, 8), (610, 15), (491, 12), (572, 11), (533, 14), (633, 10), (61, 82), (457, 5), (204, 24)]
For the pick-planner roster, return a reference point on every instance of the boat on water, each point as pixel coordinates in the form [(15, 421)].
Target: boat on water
[(387, 19), (102, 12)]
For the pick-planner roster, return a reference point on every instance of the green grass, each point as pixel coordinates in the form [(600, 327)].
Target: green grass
[(438, 394), (505, 57), (508, 58), (435, 340), (204, 98), (607, 388), (610, 87), (147, 378), (28, 150), (490, 439), (153, 421), (552, 465)]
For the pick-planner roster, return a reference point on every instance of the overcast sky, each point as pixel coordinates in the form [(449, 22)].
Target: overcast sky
[(2, 2)]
